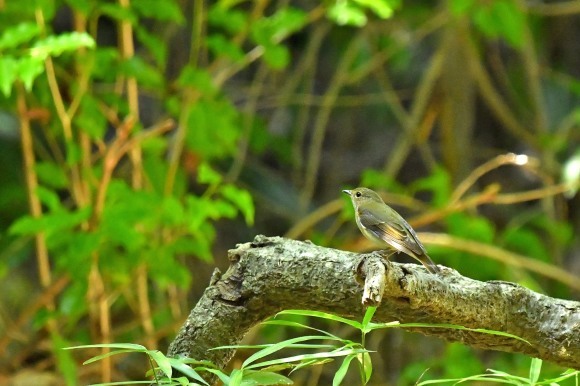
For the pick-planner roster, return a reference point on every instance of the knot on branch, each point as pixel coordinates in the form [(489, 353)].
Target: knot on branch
[(370, 273)]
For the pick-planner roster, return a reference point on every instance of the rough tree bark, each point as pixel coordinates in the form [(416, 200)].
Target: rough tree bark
[(271, 274)]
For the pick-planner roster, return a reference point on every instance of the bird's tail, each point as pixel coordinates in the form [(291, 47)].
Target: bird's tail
[(428, 263)]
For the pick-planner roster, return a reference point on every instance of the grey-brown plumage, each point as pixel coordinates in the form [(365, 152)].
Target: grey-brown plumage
[(383, 225)]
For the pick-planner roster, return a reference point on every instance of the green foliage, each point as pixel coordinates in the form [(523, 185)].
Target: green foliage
[(497, 19), (25, 63), (95, 216), (256, 370), (438, 183), (499, 377), (352, 12), (118, 194)]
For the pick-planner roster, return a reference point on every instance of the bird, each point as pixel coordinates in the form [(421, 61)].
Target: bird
[(380, 223)]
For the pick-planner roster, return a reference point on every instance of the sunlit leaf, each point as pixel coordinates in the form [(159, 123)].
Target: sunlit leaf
[(322, 315), (207, 175), (242, 199), (19, 34), (8, 74), (55, 45), (382, 8), (345, 13), (162, 361), (29, 68), (535, 369)]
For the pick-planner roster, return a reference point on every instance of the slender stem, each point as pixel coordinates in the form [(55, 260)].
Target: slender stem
[(44, 269), (477, 173), (248, 122), (63, 115), (423, 96), (501, 255), (321, 121)]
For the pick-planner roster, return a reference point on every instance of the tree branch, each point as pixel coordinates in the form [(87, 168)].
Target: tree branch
[(272, 273)]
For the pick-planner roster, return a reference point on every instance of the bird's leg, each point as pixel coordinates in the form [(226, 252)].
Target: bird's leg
[(386, 253)]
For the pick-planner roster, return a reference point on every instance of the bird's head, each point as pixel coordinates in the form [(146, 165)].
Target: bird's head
[(363, 195)]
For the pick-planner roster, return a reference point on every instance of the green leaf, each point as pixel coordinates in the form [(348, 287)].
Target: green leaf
[(460, 7), (231, 20), (289, 323), (439, 183), (154, 44), (308, 357), (266, 378), (462, 328), (117, 12), (370, 311), (90, 118), (322, 315), (105, 63), (342, 370), (276, 56), (367, 365), (375, 179), (382, 8), (146, 74), (471, 227), (19, 34), (82, 6), (511, 21), (526, 242), (166, 10), (271, 30), (73, 153), (8, 74), (223, 377), (29, 68), (213, 129), (501, 18), (535, 369), (65, 361), (124, 346), (279, 346), (207, 175), (48, 198), (198, 79), (221, 46), (50, 223), (345, 13), (162, 361), (242, 199), (51, 174), (55, 45), (179, 365)]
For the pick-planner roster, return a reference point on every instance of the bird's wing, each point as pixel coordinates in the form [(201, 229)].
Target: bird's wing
[(397, 233)]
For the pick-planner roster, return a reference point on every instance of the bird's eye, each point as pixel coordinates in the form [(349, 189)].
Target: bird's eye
[(358, 194)]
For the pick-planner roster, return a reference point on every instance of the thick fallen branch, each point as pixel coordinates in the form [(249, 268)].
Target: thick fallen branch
[(271, 274)]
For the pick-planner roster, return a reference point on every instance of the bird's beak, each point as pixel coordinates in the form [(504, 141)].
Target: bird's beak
[(346, 191)]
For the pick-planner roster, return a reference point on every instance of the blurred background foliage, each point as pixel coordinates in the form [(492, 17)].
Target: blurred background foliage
[(140, 139)]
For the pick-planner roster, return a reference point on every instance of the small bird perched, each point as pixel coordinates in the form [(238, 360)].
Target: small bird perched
[(380, 223)]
